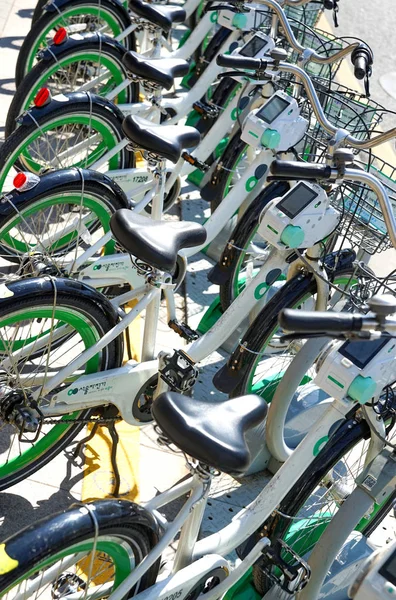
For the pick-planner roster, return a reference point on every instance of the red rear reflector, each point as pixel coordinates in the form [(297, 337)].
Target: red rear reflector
[(59, 36), (20, 180), (43, 96)]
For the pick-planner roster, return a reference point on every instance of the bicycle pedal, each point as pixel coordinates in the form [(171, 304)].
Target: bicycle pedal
[(179, 372), (183, 330), (209, 111), (194, 162), (294, 577)]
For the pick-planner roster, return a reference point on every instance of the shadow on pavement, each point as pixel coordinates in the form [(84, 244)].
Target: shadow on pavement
[(25, 13), (11, 42), (17, 512), (4, 90)]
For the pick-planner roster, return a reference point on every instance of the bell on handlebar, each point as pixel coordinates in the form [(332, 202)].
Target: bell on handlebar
[(278, 54), (382, 305)]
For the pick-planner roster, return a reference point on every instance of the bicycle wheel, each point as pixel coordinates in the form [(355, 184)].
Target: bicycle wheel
[(74, 135), (262, 356), (76, 67), (43, 327), (64, 553), (56, 226), (247, 251), (77, 16), (310, 505)]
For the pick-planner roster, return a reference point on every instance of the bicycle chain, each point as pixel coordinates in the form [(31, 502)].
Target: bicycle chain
[(86, 421)]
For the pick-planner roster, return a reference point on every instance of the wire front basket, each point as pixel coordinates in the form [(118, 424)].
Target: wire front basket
[(323, 42), (362, 226), (345, 109), (308, 14)]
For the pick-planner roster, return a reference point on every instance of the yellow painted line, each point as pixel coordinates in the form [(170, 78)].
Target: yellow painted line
[(98, 474)]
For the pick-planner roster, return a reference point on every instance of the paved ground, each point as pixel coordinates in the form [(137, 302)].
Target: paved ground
[(63, 481)]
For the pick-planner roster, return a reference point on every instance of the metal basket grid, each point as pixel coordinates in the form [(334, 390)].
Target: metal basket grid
[(363, 285), (308, 14), (345, 109), (303, 15), (362, 226), (323, 42)]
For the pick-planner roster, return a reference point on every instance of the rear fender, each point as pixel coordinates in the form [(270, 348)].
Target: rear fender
[(77, 41), (62, 530), (36, 287), (57, 180), (35, 114)]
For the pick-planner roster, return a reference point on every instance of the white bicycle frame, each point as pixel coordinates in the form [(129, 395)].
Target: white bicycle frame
[(194, 559), (119, 266), (118, 386)]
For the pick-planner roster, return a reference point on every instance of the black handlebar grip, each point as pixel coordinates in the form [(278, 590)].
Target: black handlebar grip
[(362, 60), (240, 62), (360, 65), (293, 170), (304, 321)]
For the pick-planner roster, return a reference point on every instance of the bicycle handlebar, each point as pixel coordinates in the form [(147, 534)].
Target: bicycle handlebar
[(296, 171), (304, 321), (321, 117), (289, 35), (241, 62)]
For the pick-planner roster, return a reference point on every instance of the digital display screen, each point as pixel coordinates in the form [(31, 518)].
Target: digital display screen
[(360, 353), (271, 111), (388, 570), (296, 200), (253, 46)]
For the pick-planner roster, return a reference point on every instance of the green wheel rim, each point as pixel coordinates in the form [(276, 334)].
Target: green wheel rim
[(123, 562), (113, 27), (89, 337), (117, 75), (100, 210), (108, 141)]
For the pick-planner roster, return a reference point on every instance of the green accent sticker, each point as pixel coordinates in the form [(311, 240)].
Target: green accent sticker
[(319, 444), (335, 381), (235, 112), (260, 291), (251, 183)]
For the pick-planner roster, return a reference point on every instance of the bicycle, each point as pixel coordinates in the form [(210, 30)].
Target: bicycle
[(138, 183), (68, 326), (199, 566)]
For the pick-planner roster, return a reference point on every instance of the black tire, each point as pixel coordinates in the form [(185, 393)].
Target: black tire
[(204, 58), (220, 97), (109, 358), (293, 293), (117, 13), (107, 200), (41, 75), (120, 522), (220, 182), (241, 237), (380, 515), (39, 10), (11, 152), (347, 436)]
